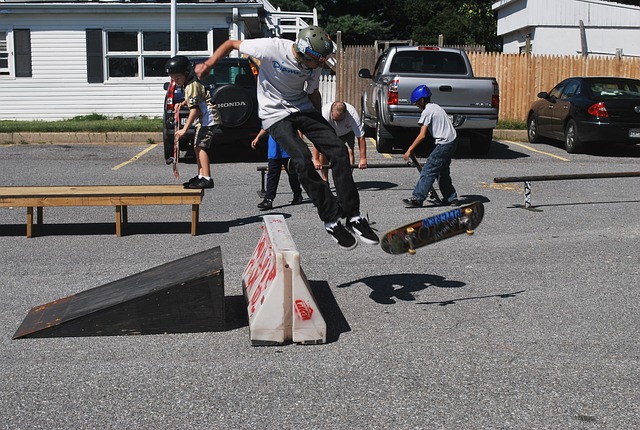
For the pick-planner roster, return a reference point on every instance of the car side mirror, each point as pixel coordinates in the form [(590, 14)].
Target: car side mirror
[(543, 95), (166, 86), (364, 73)]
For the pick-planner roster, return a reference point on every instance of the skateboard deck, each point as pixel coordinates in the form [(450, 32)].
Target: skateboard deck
[(176, 145), (409, 237)]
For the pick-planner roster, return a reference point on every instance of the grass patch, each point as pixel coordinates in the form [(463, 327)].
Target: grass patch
[(512, 125), (93, 123)]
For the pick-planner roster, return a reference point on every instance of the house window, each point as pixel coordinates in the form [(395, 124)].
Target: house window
[(4, 54), (143, 54)]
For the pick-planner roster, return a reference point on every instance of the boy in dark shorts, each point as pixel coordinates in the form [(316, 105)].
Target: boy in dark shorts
[(202, 113)]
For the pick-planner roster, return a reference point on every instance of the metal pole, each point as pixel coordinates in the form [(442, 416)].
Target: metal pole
[(173, 28)]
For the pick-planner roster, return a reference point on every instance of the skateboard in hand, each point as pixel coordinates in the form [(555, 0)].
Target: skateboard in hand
[(176, 144), (409, 237), (432, 194)]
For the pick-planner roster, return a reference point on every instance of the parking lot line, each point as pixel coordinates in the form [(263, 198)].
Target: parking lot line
[(135, 157), (372, 141), (536, 150)]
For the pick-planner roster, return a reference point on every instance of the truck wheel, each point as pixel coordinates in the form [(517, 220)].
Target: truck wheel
[(384, 141), (481, 142)]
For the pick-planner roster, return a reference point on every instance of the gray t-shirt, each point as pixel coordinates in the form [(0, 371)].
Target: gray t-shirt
[(438, 124), (283, 85)]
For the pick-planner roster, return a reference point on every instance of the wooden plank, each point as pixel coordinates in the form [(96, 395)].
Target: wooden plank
[(99, 195)]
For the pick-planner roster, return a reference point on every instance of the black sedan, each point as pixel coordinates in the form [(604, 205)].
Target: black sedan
[(582, 111)]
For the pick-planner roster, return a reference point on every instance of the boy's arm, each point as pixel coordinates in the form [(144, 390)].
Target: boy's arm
[(193, 114), (256, 139), (419, 138), (223, 50)]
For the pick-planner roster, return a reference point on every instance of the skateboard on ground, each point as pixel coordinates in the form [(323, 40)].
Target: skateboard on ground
[(176, 144), (409, 237), (433, 195)]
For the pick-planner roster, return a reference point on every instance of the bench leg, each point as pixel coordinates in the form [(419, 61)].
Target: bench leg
[(125, 217), (39, 214), (118, 221), (29, 222), (195, 215)]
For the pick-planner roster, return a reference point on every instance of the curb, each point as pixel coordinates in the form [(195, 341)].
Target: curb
[(120, 138), (517, 135), (112, 138)]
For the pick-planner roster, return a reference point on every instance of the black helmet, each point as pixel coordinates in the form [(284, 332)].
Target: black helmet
[(178, 64)]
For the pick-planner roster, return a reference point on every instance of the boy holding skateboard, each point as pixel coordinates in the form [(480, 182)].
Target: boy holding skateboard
[(434, 121), (202, 112)]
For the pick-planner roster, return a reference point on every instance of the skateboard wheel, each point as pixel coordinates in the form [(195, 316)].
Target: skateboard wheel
[(411, 252), (410, 230), (468, 211), (470, 232)]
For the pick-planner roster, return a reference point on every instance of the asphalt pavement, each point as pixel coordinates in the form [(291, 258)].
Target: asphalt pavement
[(531, 323)]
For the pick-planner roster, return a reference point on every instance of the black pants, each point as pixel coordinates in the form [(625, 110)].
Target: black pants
[(273, 178), (322, 135)]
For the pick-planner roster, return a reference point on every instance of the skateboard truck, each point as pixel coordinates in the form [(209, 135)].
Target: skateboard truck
[(466, 220), (410, 235)]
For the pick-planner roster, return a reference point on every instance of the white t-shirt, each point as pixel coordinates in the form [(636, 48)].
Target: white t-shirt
[(283, 85), (350, 123), (438, 124)]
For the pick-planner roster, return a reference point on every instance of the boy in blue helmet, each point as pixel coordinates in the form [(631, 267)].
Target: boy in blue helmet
[(434, 121)]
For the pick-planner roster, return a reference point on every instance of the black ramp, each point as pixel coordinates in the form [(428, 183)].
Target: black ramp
[(182, 296)]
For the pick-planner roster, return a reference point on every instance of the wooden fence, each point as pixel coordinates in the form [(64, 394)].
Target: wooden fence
[(521, 77)]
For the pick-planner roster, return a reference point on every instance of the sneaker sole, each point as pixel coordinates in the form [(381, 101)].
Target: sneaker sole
[(364, 239), (348, 248)]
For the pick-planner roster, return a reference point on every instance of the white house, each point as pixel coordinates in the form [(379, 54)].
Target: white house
[(569, 27), (75, 57)]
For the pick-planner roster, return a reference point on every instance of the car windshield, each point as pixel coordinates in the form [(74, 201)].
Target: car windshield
[(615, 88)]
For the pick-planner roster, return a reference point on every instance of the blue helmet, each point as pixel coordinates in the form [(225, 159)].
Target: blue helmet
[(420, 92)]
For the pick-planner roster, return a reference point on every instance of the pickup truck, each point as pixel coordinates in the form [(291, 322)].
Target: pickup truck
[(471, 103)]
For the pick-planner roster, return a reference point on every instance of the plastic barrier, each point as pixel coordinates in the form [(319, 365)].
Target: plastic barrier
[(280, 304)]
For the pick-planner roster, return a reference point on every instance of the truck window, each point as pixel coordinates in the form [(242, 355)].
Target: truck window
[(446, 63)]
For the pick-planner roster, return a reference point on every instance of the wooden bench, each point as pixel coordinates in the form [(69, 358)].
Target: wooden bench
[(119, 196)]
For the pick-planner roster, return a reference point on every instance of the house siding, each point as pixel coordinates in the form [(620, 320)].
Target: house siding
[(59, 87), (554, 26)]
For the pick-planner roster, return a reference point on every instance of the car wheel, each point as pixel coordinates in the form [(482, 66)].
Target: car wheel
[(572, 142), (532, 130), (384, 143)]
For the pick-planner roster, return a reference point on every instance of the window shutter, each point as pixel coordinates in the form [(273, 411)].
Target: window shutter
[(95, 74), (22, 44)]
